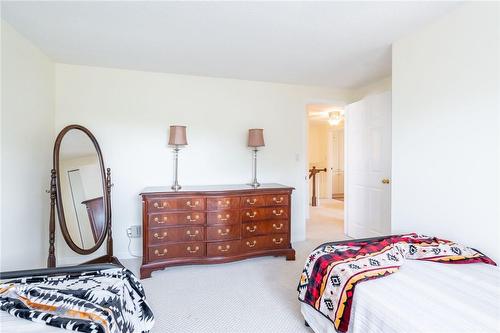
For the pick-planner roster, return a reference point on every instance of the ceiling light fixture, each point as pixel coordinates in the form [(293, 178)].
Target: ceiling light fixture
[(334, 118)]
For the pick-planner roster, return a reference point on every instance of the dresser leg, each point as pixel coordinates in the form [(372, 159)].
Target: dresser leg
[(290, 255), (145, 273)]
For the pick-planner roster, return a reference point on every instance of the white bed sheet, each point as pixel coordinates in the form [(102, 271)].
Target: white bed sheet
[(423, 297)]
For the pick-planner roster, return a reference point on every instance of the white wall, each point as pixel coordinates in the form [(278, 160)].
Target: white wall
[(379, 86), (318, 155), (27, 136), (446, 128), (130, 112)]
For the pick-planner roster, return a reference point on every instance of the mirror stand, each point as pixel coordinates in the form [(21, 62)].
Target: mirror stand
[(80, 192), (51, 261)]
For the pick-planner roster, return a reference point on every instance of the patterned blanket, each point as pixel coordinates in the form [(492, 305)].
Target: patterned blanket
[(332, 270), (100, 301)]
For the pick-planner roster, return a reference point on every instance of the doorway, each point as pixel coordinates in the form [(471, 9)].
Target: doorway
[(349, 168), (325, 171)]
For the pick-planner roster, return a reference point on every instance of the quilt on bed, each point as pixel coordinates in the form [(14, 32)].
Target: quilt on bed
[(332, 270), (100, 301)]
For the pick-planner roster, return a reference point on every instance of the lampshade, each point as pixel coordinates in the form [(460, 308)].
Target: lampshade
[(177, 136), (256, 137)]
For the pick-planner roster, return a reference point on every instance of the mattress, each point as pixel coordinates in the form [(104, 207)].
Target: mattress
[(423, 297)]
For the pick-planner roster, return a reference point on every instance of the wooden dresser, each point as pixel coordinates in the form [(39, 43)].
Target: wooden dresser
[(214, 224)]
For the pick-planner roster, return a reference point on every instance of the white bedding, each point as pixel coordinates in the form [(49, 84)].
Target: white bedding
[(11, 324), (423, 297)]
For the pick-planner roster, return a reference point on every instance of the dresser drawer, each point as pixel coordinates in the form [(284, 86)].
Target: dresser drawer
[(253, 201), (252, 244), (276, 200), (196, 203), (268, 242), (161, 204), (223, 232), (169, 204), (278, 241), (256, 214), (222, 249), (178, 250), (277, 213), (223, 203), (253, 214), (175, 234), (223, 217), (167, 219), (250, 229)]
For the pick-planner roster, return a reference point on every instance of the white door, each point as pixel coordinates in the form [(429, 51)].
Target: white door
[(368, 167)]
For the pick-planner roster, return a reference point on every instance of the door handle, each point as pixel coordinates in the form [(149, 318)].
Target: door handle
[(386, 181)]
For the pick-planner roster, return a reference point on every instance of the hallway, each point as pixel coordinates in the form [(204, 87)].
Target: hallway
[(326, 221)]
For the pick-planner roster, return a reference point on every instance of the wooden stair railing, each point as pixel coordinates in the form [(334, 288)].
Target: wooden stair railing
[(312, 173)]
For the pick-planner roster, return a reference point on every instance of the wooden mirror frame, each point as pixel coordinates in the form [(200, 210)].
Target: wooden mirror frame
[(56, 203)]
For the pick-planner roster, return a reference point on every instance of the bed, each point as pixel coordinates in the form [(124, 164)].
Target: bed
[(86, 298), (422, 296)]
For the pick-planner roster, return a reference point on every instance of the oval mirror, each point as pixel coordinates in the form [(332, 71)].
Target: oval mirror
[(81, 189)]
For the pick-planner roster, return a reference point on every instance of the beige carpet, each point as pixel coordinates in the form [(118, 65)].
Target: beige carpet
[(255, 295)]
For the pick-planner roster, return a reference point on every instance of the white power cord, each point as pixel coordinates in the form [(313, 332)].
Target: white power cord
[(129, 250)]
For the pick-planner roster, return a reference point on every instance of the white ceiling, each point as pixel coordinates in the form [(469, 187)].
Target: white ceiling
[(319, 113), (337, 44)]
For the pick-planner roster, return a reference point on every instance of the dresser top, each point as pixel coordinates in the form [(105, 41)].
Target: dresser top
[(216, 188)]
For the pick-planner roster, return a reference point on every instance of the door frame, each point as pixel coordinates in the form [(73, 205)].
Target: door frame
[(346, 170), (305, 149)]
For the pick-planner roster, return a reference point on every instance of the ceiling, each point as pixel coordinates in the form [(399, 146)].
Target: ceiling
[(320, 113), (335, 44)]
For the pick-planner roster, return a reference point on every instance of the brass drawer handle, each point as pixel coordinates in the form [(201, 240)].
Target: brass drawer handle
[(157, 253), (220, 248), (276, 227), (276, 213), (278, 201), (163, 221), (254, 200), (193, 251), (223, 233), (157, 205), (190, 219), (156, 235), (196, 204), (251, 244), (196, 233), (275, 241), (251, 215), (252, 229), (223, 218), (223, 205)]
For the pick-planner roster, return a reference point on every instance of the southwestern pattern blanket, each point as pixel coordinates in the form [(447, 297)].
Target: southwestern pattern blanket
[(332, 270), (99, 301)]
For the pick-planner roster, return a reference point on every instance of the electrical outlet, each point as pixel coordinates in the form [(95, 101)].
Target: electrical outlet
[(134, 231)]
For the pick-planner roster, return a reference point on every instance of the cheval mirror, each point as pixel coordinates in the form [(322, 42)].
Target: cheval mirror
[(80, 190)]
